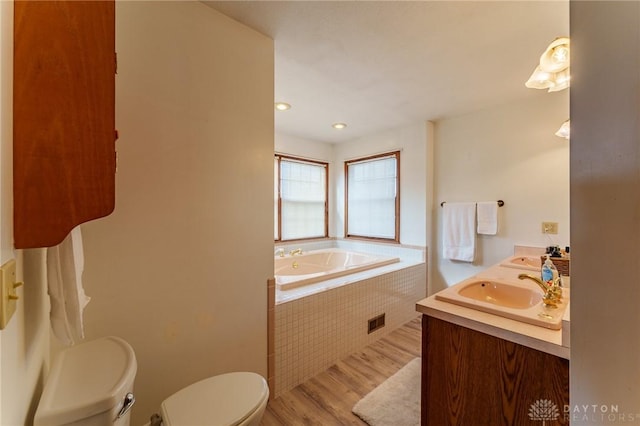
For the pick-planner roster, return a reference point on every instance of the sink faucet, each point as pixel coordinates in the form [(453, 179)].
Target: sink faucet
[(535, 279), (279, 252), (552, 292), (296, 251)]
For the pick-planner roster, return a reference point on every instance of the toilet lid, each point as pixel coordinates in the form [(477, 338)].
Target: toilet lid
[(86, 380), (226, 399)]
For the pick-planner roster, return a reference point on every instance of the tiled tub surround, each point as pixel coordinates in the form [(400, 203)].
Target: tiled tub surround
[(319, 324)]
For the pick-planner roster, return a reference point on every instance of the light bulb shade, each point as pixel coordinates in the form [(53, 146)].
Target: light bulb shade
[(539, 80), (560, 80), (565, 130), (552, 73), (556, 57)]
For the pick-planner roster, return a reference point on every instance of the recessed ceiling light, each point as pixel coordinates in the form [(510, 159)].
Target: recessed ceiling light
[(282, 106), (338, 125)]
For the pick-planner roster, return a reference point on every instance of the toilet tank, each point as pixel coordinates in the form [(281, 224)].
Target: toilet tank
[(89, 385)]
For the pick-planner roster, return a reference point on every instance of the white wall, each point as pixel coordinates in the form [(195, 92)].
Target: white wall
[(605, 201), (510, 153), (24, 343), (415, 143), (304, 148), (180, 268)]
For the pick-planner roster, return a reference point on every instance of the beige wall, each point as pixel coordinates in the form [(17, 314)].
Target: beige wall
[(605, 206), (180, 268), (510, 153), (195, 115), (24, 343), (194, 111), (133, 256)]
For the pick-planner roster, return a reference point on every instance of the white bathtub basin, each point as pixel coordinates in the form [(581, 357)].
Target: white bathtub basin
[(319, 265), (514, 300)]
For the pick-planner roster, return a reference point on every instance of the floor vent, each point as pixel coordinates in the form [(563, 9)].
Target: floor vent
[(376, 323)]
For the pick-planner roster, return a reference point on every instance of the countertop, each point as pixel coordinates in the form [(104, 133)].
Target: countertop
[(555, 342)]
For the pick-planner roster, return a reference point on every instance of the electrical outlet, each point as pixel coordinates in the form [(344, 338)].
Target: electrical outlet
[(549, 227)]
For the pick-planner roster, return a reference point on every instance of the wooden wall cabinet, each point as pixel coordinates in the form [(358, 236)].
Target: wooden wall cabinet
[(63, 117), (471, 378)]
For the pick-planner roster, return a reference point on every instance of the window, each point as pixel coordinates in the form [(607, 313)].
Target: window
[(300, 199), (373, 197)]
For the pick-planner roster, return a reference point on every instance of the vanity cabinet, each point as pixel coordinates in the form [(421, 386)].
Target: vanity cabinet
[(471, 378), (63, 117)]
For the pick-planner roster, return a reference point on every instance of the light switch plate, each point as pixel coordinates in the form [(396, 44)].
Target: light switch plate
[(8, 297), (549, 227)]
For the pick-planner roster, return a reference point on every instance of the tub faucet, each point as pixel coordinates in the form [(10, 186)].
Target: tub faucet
[(279, 252), (296, 251), (552, 292)]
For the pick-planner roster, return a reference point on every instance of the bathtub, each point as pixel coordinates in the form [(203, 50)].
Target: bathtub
[(319, 265)]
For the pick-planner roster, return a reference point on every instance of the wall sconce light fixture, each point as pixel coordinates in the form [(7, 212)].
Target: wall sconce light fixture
[(565, 130), (552, 73)]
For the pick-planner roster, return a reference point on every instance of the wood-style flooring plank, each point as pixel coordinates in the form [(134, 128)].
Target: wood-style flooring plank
[(327, 398)]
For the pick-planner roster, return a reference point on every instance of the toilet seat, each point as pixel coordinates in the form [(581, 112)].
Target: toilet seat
[(227, 399)]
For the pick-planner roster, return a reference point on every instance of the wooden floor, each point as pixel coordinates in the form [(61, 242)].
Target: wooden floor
[(327, 398)]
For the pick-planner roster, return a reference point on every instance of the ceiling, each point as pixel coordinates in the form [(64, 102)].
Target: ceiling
[(377, 65)]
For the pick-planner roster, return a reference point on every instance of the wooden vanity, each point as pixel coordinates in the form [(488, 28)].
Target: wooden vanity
[(469, 377), (482, 369)]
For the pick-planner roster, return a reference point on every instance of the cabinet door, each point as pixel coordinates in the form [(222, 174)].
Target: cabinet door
[(471, 378), (63, 117)]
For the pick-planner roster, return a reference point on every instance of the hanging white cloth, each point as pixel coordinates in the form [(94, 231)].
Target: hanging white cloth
[(65, 264), (459, 231), (487, 217)]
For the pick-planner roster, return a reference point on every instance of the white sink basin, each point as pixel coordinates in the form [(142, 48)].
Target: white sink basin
[(529, 263), (521, 301), (501, 294)]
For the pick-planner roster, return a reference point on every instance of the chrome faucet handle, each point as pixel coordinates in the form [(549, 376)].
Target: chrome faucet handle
[(127, 403)]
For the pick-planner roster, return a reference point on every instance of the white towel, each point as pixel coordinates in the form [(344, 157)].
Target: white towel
[(488, 218), (458, 231), (65, 264)]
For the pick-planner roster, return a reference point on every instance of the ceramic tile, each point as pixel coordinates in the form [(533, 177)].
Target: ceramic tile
[(315, 331)]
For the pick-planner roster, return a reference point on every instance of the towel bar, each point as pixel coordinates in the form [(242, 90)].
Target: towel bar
[(500, 203)]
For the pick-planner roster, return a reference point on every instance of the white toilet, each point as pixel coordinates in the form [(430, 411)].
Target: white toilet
[(228, 399), (91, 384)]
